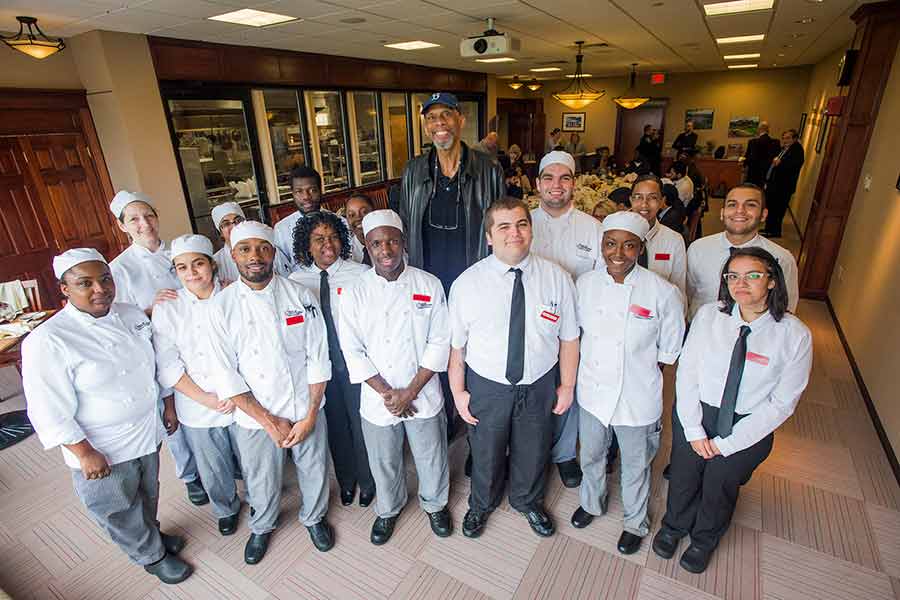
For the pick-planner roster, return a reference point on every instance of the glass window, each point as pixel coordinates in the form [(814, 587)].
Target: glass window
[(326, 130), (365, 145), (396, 140), (469, 109), (286, 136)]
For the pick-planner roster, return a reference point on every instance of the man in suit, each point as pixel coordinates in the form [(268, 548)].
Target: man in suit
[(760, 152), (674, 213), (781, 181)]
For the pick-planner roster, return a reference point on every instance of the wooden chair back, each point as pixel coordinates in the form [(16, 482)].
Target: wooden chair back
[(33, 293)]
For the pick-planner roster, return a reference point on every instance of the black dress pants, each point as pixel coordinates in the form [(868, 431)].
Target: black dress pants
[(777, 203), (514, 417), (703, 493), (345, 438)]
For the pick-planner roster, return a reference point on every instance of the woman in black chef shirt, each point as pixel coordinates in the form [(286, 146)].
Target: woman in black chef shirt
[(743, 368)]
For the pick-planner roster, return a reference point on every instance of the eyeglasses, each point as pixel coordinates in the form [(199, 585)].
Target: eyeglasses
[(232, 222), (751, 276), (645, 197)]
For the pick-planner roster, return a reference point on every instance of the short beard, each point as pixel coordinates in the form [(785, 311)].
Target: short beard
[(446, 146), (260, 277)]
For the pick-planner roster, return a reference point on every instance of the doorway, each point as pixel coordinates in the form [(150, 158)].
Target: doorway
[(521, 122), (630, 127)]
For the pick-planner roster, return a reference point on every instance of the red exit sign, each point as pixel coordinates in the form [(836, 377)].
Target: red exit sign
[(657, 78)]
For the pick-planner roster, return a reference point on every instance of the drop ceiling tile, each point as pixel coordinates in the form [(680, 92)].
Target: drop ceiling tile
[(745, 24), (408, 10), (306, 9), (135, 20), (339, 18), (52, 15), (195, 9), (200, 30)]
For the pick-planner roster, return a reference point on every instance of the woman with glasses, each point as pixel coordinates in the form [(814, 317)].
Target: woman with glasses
[(743, 368), (225, 216)]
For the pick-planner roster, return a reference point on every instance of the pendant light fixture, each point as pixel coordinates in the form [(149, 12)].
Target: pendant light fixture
[(630, 102), (516, 83), (578, 94), (34, 44), (534, 85)]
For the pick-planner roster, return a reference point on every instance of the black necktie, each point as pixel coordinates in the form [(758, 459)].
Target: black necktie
[(334, 347), (732, 384), (642, 259), (515, 350)]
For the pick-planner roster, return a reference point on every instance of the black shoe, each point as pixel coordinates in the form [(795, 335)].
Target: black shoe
[(170, 569), (468, 468), (473, 523), (694, 559), (172, 543), (667, 472), (347, 496), (540, 522), (256, 547), (382, 530), (441, 524), (570, 473), (228, 525), (629, 543), (581, 518), (665, 543), (196, 494), (365, 498), (322, 536)]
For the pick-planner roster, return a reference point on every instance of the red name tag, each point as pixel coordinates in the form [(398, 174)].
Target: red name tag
[(340, 290), (640, 311), (294, 320), (549, 316), (758, 358), (421, 298), (662, 256)]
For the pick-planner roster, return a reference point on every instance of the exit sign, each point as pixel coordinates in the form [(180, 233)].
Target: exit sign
[(657, 78)]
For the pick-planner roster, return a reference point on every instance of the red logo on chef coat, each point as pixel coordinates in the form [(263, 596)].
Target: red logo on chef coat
[(340, 290), (758, 358), (294, 320), (639, 311), (421, 298), (552, 317), (661, 256)]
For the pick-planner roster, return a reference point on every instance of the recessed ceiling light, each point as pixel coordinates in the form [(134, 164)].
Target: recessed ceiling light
[(254, 18), (737, 39), (499, 59), (741, 56), (583, 75), (545, 69), (657, 4), (353, 20), (737, 6), (753, 66), (804, 21), (414, 45)]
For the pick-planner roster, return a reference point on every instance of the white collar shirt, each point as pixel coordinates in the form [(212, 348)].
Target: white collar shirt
[(140, 273), (270, 342), (94, 379), (707, 256), (181, 338), (284, 242), (357, 249), (627, 330), (480, 305), (572, 240), (392, 328), (776, 371), (342, 276), (228, 270), (685, 189), (666, 255)]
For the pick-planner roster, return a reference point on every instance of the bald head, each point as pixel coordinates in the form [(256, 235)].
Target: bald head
[(763, 127)]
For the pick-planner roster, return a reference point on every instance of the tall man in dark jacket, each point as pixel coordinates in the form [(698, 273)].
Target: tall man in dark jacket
[(781, 181), (443, 196), (760, 152)]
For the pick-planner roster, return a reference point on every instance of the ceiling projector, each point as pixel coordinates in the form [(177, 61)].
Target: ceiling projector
[(490, 44)]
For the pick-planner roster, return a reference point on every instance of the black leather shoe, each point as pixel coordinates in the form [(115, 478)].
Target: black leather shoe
[(382, 530), (540, 522), (694, 559), (581, 518), (170, 569), (570, 473), (667, 472), (468, 467), (228, 525), (196, 493), (365, 498), (256, 547), (172, 543), (441, 524), (322, 536), (347, 496), (665, 543), (629, 543), (473, 523)]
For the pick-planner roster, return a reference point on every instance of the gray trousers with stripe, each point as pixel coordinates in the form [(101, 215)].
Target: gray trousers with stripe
[(214, 451)]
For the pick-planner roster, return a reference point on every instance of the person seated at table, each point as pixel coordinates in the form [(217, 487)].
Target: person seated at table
[(743, 368), (89, 375), (672, 215), (639, 165), (603, 209), (575, 146), (513, 185), (606, 164), (621, 197), (515, 157), (684, 185)]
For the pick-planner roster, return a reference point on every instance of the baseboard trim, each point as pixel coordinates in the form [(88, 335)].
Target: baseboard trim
[(864, 391)]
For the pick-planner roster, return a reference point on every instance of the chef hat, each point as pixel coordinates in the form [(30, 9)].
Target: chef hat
[(380, 218), (123, 198), (191, 243), (226, 208), (627, 221), (557, 157), (251, 229), (75, 256)]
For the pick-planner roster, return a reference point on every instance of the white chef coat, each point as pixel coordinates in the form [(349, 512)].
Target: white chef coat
[(666, 255), (271, 342), (392, 328), (707, 256), (181, 338), (776, 371), (685, 189), (627, 330), (342, 275), (572, 241), (139, 274), (95, 379), (284, 241), (480, 304), (357, 249)]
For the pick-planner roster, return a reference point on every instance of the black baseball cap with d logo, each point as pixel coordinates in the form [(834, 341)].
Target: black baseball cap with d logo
[(445, 98)]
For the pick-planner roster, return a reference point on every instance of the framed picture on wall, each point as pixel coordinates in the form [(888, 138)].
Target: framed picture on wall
[(743, 126), (823, 132), (573, 121), (802, 125), (702, 117)]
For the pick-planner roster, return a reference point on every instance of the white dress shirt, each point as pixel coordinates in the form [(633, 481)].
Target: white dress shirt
[(685, 189), (271, 342), (572, 240), (357, 249), (392, 328), (284, 242), (776, 371), (480, 304), (627, 330), (342, 275), (94, 379), (228, 270), (666, 255), (181, 338), (707, 256), (139, 274)]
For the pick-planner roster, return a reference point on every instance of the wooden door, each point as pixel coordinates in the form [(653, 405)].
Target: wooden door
[(630, 127)]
